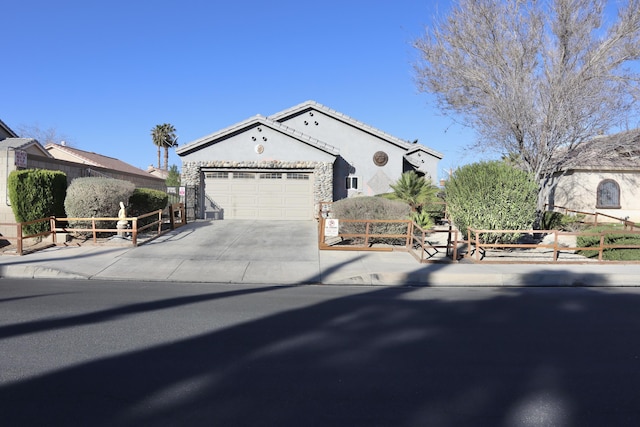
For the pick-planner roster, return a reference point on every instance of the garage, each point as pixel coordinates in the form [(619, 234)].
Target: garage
[(260, 194)]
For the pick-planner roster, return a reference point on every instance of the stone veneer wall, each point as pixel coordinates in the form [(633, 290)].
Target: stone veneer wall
[(322, 184)]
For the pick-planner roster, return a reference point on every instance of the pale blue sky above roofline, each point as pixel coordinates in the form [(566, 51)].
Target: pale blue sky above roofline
[(105, 73)]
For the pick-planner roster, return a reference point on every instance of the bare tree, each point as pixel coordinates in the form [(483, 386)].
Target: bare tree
[(535, 79), (43, 136)]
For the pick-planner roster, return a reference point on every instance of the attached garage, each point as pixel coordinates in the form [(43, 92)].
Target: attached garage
[(261, 194), (284, 166)]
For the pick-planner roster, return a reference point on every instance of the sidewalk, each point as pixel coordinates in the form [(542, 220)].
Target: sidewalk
[(225, 252)]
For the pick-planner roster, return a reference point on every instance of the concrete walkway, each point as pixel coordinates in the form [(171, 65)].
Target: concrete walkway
[(286, 252)]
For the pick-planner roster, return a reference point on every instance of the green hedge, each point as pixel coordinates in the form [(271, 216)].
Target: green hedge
[(36, 194), (492, 196), (145, 200), (610, 238)]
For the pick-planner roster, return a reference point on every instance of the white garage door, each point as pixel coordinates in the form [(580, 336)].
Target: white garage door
[(261, 195)]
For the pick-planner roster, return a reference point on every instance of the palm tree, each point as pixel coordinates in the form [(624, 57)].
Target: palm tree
[(413, 189), (164, 136)]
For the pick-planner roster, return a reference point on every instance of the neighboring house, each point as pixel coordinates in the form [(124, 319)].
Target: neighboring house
[(6, 132), (14, 154), (160, 173), (283, 166), (99, 165), (607, 183), (27, 153)]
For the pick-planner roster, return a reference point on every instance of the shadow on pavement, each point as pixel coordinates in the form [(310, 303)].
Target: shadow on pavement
[(387, 357)]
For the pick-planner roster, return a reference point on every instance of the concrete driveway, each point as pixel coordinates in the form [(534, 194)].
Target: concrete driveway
[(242, 251), (228, 251)]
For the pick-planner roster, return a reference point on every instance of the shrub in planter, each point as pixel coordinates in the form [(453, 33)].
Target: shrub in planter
[(610, 238), (145, 200), (558, 221), (96, 197), (372, 208), (36, 194)]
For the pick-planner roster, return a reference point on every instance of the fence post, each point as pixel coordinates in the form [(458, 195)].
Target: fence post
[(601, 250), (19, 237), (423, 238), (134, 232), (160, 221), (409, 234), (455, 244), (93, 227), (52, 228), (477, 245), (172, 213), (366, 234)]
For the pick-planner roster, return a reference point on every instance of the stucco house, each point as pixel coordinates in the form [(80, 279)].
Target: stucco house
[(282, 166), (607, 182), (27, 153)]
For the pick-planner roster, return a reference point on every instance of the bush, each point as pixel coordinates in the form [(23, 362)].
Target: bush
[(423, 218), (611, 237), (145, 200), (36, 194), (371, 208), (96, 197), (557, 221), (492, 196)]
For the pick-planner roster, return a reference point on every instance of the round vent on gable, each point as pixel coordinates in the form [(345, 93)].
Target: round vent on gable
[(380, 158)]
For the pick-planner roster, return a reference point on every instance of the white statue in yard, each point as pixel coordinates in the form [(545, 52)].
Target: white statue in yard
[(122, 213)]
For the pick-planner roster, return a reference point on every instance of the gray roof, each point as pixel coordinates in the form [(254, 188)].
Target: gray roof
[(620, 151), (7, 129), (308, 105), (19, 143), (252, 122)]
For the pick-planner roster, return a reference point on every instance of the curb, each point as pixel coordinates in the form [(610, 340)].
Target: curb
[(36, 272)]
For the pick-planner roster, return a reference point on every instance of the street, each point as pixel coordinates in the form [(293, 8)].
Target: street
[(117, 353)]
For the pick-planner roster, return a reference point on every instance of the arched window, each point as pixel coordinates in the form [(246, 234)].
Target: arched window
[(608, 194)]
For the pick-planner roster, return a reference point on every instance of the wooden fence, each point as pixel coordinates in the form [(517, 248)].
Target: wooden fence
[(595, 216), (445, 244), (478, 250), (57, 225)]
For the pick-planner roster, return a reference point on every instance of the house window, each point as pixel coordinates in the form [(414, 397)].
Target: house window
[(302, 176), (608, 194), (270, 176), (217, 175), (244, 175), (352, 182)]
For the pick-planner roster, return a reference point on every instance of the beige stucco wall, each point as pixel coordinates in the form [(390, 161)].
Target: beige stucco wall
[(578, 191)]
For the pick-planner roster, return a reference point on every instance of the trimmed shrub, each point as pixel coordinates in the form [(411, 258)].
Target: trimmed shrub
[(610, 238), (96, 197), (36, 194), (145, 200), (371, 208), (492, 196)]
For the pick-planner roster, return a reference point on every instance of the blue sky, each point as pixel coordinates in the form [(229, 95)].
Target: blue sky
[(103, 74)]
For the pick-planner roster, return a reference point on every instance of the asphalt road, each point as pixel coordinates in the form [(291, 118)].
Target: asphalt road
[(93, 353)]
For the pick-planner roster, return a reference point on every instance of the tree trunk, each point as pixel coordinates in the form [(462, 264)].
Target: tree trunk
[(166, 158)]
